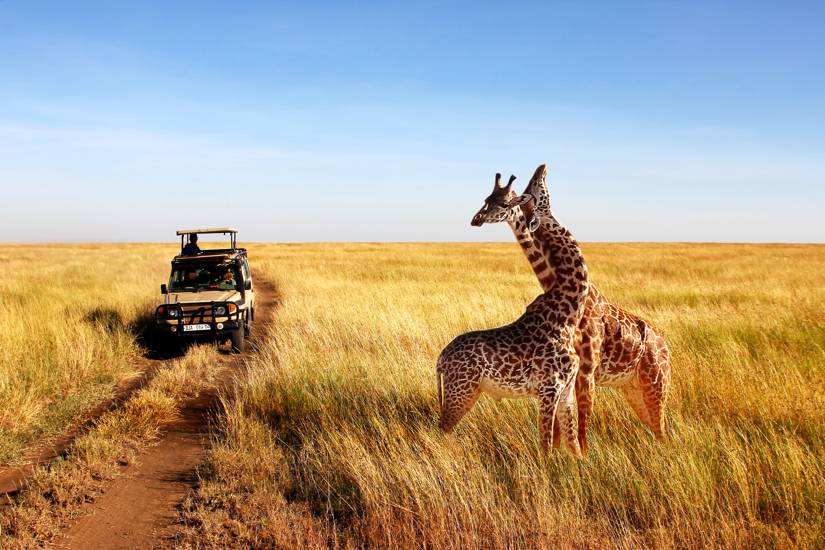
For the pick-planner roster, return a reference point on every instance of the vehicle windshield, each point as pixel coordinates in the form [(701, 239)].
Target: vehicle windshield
[(203, 278)]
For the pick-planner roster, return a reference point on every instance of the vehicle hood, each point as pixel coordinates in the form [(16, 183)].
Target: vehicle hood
[(204, 296)]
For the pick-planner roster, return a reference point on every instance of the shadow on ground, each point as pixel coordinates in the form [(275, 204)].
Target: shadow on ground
[(154, 344)]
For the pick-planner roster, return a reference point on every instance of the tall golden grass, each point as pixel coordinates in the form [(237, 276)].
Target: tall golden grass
[(69, 315), (333, 440)]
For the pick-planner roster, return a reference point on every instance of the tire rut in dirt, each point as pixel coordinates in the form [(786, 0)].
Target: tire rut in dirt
[(13, 480), (139, 509)]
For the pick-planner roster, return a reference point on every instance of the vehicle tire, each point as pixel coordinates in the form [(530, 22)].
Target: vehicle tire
[(180, 348), (247, 327), (169, 346), (237, 338)]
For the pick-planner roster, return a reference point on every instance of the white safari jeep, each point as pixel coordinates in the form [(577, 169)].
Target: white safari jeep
[(209, 295)]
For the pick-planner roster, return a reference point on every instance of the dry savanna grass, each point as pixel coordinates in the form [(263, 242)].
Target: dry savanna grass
[(71, 314), (333, 438), (56, 493)]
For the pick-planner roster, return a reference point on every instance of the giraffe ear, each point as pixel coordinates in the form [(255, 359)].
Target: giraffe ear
[(521, 199)]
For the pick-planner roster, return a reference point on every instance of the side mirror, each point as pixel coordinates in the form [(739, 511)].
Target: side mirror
[(247, 285), (163, 289)]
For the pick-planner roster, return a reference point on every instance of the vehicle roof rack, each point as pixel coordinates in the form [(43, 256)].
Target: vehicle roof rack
[(233, 235), (223, 230)]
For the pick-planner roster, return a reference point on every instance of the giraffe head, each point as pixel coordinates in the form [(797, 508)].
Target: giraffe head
[(536, 194), (497, 207)]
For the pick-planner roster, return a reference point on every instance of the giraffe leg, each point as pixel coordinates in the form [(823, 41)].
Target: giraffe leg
[(635, 397), (654, 382), (458, 397), (557, 432), (589, 357), (568, 419), (549, 396), (585, 389)]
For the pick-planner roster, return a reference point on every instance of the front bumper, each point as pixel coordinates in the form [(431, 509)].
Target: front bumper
[(202, 314), (216, 328)]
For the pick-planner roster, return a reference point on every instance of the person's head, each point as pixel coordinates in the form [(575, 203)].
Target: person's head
[(193, 238), (191, 275), (227, 276)]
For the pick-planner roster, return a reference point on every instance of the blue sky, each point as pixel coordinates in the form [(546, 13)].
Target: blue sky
[(661, 121)]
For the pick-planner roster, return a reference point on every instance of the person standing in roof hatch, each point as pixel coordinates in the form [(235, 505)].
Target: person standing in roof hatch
[(192, 248)]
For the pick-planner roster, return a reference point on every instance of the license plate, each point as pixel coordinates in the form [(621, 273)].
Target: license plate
[(190, 328)]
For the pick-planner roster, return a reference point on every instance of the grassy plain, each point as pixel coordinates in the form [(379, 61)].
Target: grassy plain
[(70, 314), (333, 436)]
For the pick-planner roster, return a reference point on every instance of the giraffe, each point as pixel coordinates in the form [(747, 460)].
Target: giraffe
[(533, 356), (498, 207), (616, 348)]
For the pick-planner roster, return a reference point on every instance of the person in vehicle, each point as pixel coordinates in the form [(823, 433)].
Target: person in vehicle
[(225, 280), (192, 248)]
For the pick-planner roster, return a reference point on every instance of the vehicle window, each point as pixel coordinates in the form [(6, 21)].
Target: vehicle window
[(203, 278)]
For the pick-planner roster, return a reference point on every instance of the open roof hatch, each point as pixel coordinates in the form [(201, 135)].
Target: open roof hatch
[(233, 235)]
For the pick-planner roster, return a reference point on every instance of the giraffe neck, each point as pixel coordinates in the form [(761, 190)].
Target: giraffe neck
[(562, 252), (535, 255)]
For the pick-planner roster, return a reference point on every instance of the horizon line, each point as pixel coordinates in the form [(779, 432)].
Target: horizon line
[(170, 243)]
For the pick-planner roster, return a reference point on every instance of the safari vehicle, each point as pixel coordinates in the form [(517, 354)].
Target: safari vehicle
[(209, 294)]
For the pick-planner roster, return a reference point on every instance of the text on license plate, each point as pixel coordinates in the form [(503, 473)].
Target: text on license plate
[(190, 328)]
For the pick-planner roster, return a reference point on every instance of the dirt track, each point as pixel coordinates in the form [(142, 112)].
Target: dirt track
[(138, 510), (13, 479)]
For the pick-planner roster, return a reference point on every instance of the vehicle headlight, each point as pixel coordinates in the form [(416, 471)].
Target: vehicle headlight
[(220, 310), (174, 313)]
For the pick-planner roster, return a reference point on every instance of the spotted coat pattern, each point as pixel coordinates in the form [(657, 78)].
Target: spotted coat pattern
[(533, 356), (616, 348)]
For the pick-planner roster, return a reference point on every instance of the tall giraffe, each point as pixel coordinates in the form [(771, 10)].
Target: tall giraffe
[(500, 206), (532, 356), (617, 348)]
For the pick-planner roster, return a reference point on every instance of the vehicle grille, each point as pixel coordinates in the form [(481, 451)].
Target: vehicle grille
[(195, 314)]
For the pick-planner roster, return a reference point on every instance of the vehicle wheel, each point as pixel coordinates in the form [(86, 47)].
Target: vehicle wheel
[(237, 337), (247, 328), (170, 347)]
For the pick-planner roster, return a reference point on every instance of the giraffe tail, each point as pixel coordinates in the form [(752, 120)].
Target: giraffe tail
[(642, 326), (440, 376), (643, 338)]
